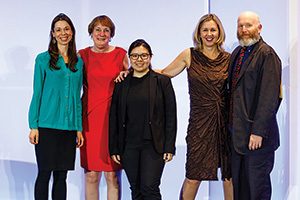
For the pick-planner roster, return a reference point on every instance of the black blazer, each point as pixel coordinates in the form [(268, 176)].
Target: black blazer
[(256, 99), (162, 119)]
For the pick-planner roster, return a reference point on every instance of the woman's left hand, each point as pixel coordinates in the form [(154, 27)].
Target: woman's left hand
[(80, 139), (122, 75), (168, 157)]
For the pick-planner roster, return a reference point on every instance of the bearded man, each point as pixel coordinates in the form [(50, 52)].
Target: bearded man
[(254, 97)]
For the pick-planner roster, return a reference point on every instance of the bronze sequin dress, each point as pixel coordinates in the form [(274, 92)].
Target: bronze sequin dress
[(207, 137)]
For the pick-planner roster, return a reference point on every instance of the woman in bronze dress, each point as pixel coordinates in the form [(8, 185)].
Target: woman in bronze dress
[(207, 138)]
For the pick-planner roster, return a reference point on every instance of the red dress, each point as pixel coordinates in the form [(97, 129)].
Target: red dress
[(100, 70)]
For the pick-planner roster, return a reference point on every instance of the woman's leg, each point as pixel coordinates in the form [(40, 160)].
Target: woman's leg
[(92, 180), (113, 182), (152, 165), (189, 189), (228, 189), (59, 188), (130, 162), (41, 186)]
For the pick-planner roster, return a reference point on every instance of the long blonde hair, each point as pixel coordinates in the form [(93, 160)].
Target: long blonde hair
[(197, 39)]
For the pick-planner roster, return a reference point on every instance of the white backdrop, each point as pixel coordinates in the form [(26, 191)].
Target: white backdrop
[(168, 27)]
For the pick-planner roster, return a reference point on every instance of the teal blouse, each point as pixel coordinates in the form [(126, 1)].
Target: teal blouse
[(56, 95)]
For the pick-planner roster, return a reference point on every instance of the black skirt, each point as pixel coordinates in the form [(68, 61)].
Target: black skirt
[(56, 149)]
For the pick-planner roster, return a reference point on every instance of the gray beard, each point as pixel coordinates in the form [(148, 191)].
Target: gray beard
[(248, 42)]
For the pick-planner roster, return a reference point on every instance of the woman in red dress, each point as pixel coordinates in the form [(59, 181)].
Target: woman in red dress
[(103, 62)]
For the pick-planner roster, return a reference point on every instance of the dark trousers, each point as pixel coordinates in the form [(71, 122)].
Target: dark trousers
[(59, 187), (251, 176), (143, 167)]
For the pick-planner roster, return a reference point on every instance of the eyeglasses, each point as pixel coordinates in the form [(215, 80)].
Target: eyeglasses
[(143, 56)]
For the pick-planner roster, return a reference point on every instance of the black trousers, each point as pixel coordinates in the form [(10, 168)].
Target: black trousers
[(143, 167), (251, 176)]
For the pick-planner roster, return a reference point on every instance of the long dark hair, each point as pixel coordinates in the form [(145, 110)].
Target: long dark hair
[(53, 49)]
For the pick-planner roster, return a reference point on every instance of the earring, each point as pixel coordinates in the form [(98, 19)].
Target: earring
[(53, 41)]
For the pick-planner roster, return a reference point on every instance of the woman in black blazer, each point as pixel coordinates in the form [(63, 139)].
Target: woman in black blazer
[(143, 123)]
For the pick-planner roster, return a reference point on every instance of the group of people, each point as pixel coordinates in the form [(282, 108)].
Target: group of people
[(126, 117)]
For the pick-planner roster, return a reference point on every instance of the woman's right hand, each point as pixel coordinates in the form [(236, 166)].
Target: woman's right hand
[(34, 136), (79, 139), (122, 75), (116, 158)]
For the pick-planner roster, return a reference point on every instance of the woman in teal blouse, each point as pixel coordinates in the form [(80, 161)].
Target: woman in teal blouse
[(55, 110)]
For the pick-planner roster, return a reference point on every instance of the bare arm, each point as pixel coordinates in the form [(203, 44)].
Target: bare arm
[(123, 73), (125, 63), (182, 61)]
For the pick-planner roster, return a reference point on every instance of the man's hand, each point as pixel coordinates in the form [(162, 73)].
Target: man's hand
[(255, 142)]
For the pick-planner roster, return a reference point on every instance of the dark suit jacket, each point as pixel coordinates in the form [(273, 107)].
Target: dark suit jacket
[(256, 99), (162, 119)]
